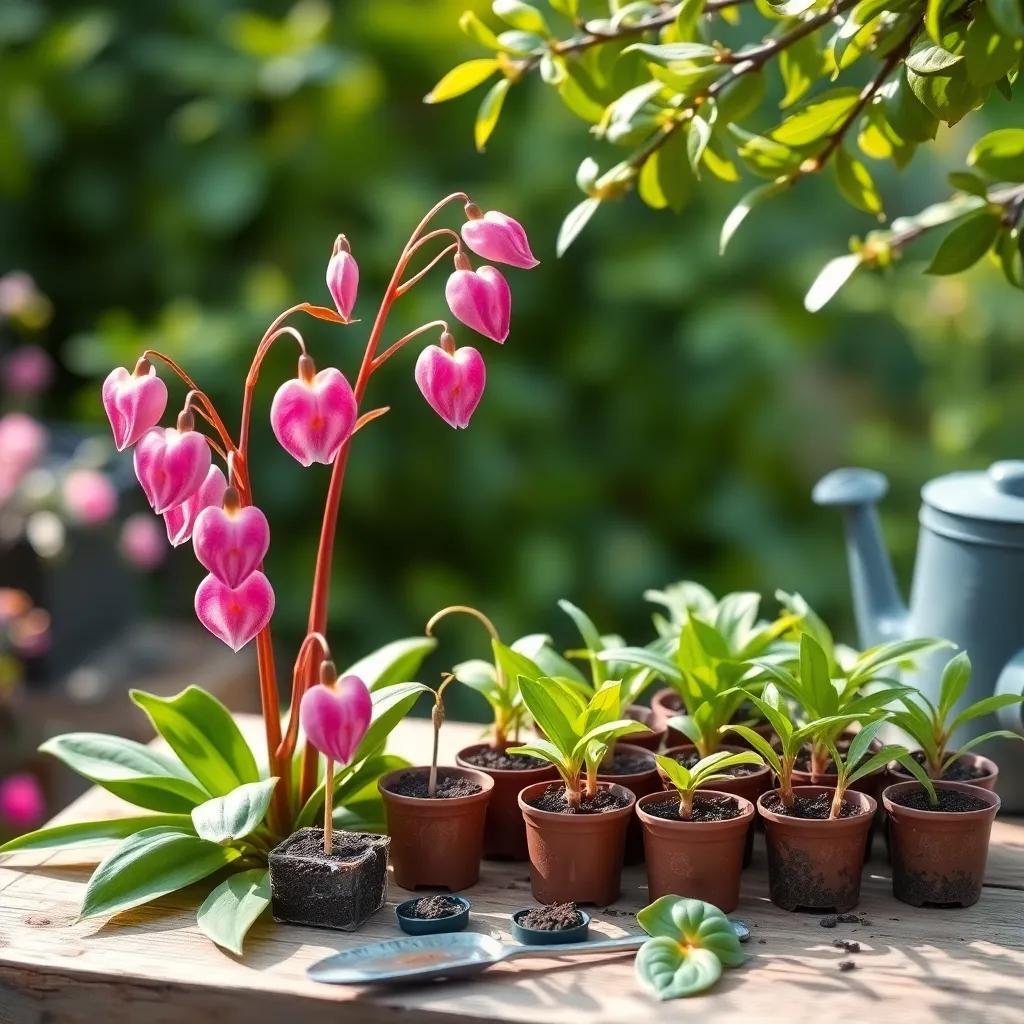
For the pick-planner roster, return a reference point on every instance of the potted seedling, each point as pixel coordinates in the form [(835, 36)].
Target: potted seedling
[(318, 876), (435, 817), (694, 841), (497, 682), (575, 828), (931, 727)]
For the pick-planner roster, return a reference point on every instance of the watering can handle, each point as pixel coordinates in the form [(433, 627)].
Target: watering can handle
[(1011, 681)]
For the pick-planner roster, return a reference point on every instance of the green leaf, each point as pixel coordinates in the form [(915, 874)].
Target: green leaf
[(674, 53), (955, 677), (590, 634), (977, 741), (90, 833), (739, 213), (234, 815), (760, 744), (694, 923), (1000, 154), (390, 705), (830, 279), (817, 119), (949, 97), (697, 138), (688, 16), (671, 971), (489, 112), (907, 115), (148, 865), (478, 31), (550, 711), (396, 662), (969, 183), (576, 220), (986, 706), (666, 177), (966, 243), (201, 731), (856, 184), (989, 52), (462, 78), (134, 772), (678, 774), (928, 58), (1008, 15), (800, 65), (644, 658), (352, 782), (521, 16), (228, 913)]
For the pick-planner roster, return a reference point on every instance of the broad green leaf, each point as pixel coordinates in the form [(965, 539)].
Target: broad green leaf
[(584, 624), (575, 221), (1008, 15), (816, 693), (234, 815), (1011, 257), (91, 833), (396, 662), (136, 773), (742, 209), (666, 178), (570, 8), (739, 97), (549, 710), (985, 706), (861, 743), (966, 243), (950, 97), (870, 663), (929, 58), (678, 774), (228, 913), (674, 53), (765, 156), (801, 65), (489, 112), (792, 8), (969, 183), (462, 78), (390, 705), (671, 971), (856, 184), (537, 647), (989, 52), (688, 16), (693, 923), (907, 115), (520, 15), (148, 865), (760, 744), (201, 731), (955, 677), (830, 279), (544, 749), (514, 664), (817, 119), (1000, 154)]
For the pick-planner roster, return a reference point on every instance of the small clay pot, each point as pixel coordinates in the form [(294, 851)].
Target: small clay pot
[(897, 773), (504, 831), (640, 784), (648, 740), (576, 857), (872, 785), (436, 843), (702, 860), (749, 787), (815, 863), (938, 857), (666, 704)]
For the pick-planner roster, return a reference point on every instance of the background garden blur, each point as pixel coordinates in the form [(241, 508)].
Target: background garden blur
[(174, 174)]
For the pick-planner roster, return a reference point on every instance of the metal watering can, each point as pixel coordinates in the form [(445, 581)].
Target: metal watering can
[(968, 588)]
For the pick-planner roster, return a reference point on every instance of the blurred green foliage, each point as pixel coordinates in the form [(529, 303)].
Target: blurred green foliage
[(173, 174)]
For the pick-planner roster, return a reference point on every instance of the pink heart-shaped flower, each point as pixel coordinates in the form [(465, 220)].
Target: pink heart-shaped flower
[(481, 300), (235, 614), (231, 543), (313, 419), (133, 403), (452, 384), (181, 520), (335, 716), (171, 465)]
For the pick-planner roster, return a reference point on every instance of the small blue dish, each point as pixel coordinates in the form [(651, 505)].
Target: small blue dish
[(539, 937), (432, 925)]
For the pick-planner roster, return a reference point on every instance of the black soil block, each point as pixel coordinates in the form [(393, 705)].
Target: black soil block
[(555, 917), (338, 891), (553, 799), (705, 808)]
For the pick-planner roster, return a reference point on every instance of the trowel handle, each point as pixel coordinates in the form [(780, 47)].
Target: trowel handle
[(1011, 681), (623, 942)]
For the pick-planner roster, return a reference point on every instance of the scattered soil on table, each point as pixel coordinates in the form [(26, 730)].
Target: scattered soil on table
[(448, 786), (811, 806), (553, 799), (958, 771), (346, 847), (851, 919), (432, 908), (846, 945), (627, 763), (500, 761), (555, 917), (847, 965), (950, 800), (737, 770), (704, 809)]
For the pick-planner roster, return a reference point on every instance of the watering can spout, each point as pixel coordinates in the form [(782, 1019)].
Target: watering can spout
[(881, 614)]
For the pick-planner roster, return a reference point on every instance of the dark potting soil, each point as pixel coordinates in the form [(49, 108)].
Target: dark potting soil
[(498, 760), (846, 945), (811, 806), (448, 786), (737, 770), (705, 808), (950, 800), (958, 771), (431, 908), (831, 920), (345, 848), (847, 965), (626, 763), (555, 917), (553, 799)]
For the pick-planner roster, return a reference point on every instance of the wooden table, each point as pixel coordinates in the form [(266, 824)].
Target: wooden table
[(152, 964)]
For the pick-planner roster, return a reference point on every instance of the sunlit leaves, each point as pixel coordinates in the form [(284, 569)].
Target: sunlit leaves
[(1000, 154), (742, 209), (461, 79), (667, 178), (830, 279), (856, 184), (989, 53), (966, 243), (816, 119), (575, 222), (489, 112)]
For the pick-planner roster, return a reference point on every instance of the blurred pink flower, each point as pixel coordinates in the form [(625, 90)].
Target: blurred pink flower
[(21, 300), (142, 542), (23, 442), (27, 370), (90, 497), (22, 805)]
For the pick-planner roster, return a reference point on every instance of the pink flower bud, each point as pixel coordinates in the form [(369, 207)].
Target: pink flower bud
[(27, 370), (481, 300), (171, 465), (22, 805), (134, 402), (313, 414), (181, 520), (335, 716), (343, 277), (142, 544), (494, 236), (231, 541), (89, 496), (452, 383), (235, 614)]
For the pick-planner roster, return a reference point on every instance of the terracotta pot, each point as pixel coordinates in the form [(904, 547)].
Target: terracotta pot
[(897, 773), (436, 843), (749, 787), (872, 785), (640, 784), (699, 859), (815, 864), (666, 704), (938, 857), (504, 831), (576, 856), (648, 740)]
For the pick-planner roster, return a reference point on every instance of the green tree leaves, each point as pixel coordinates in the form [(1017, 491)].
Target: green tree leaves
[(966, 243), (1000, 155)]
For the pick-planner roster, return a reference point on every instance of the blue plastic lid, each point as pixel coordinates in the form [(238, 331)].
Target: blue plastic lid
[(995, 495)]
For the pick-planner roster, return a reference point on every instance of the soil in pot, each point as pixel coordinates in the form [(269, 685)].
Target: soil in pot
[(939, 854), (576, 856), (702, 857), (433, 908), (436, 842), (337, 890), (635, 768), (504, 831), (970, 768), (815, 862), (555, 917)]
